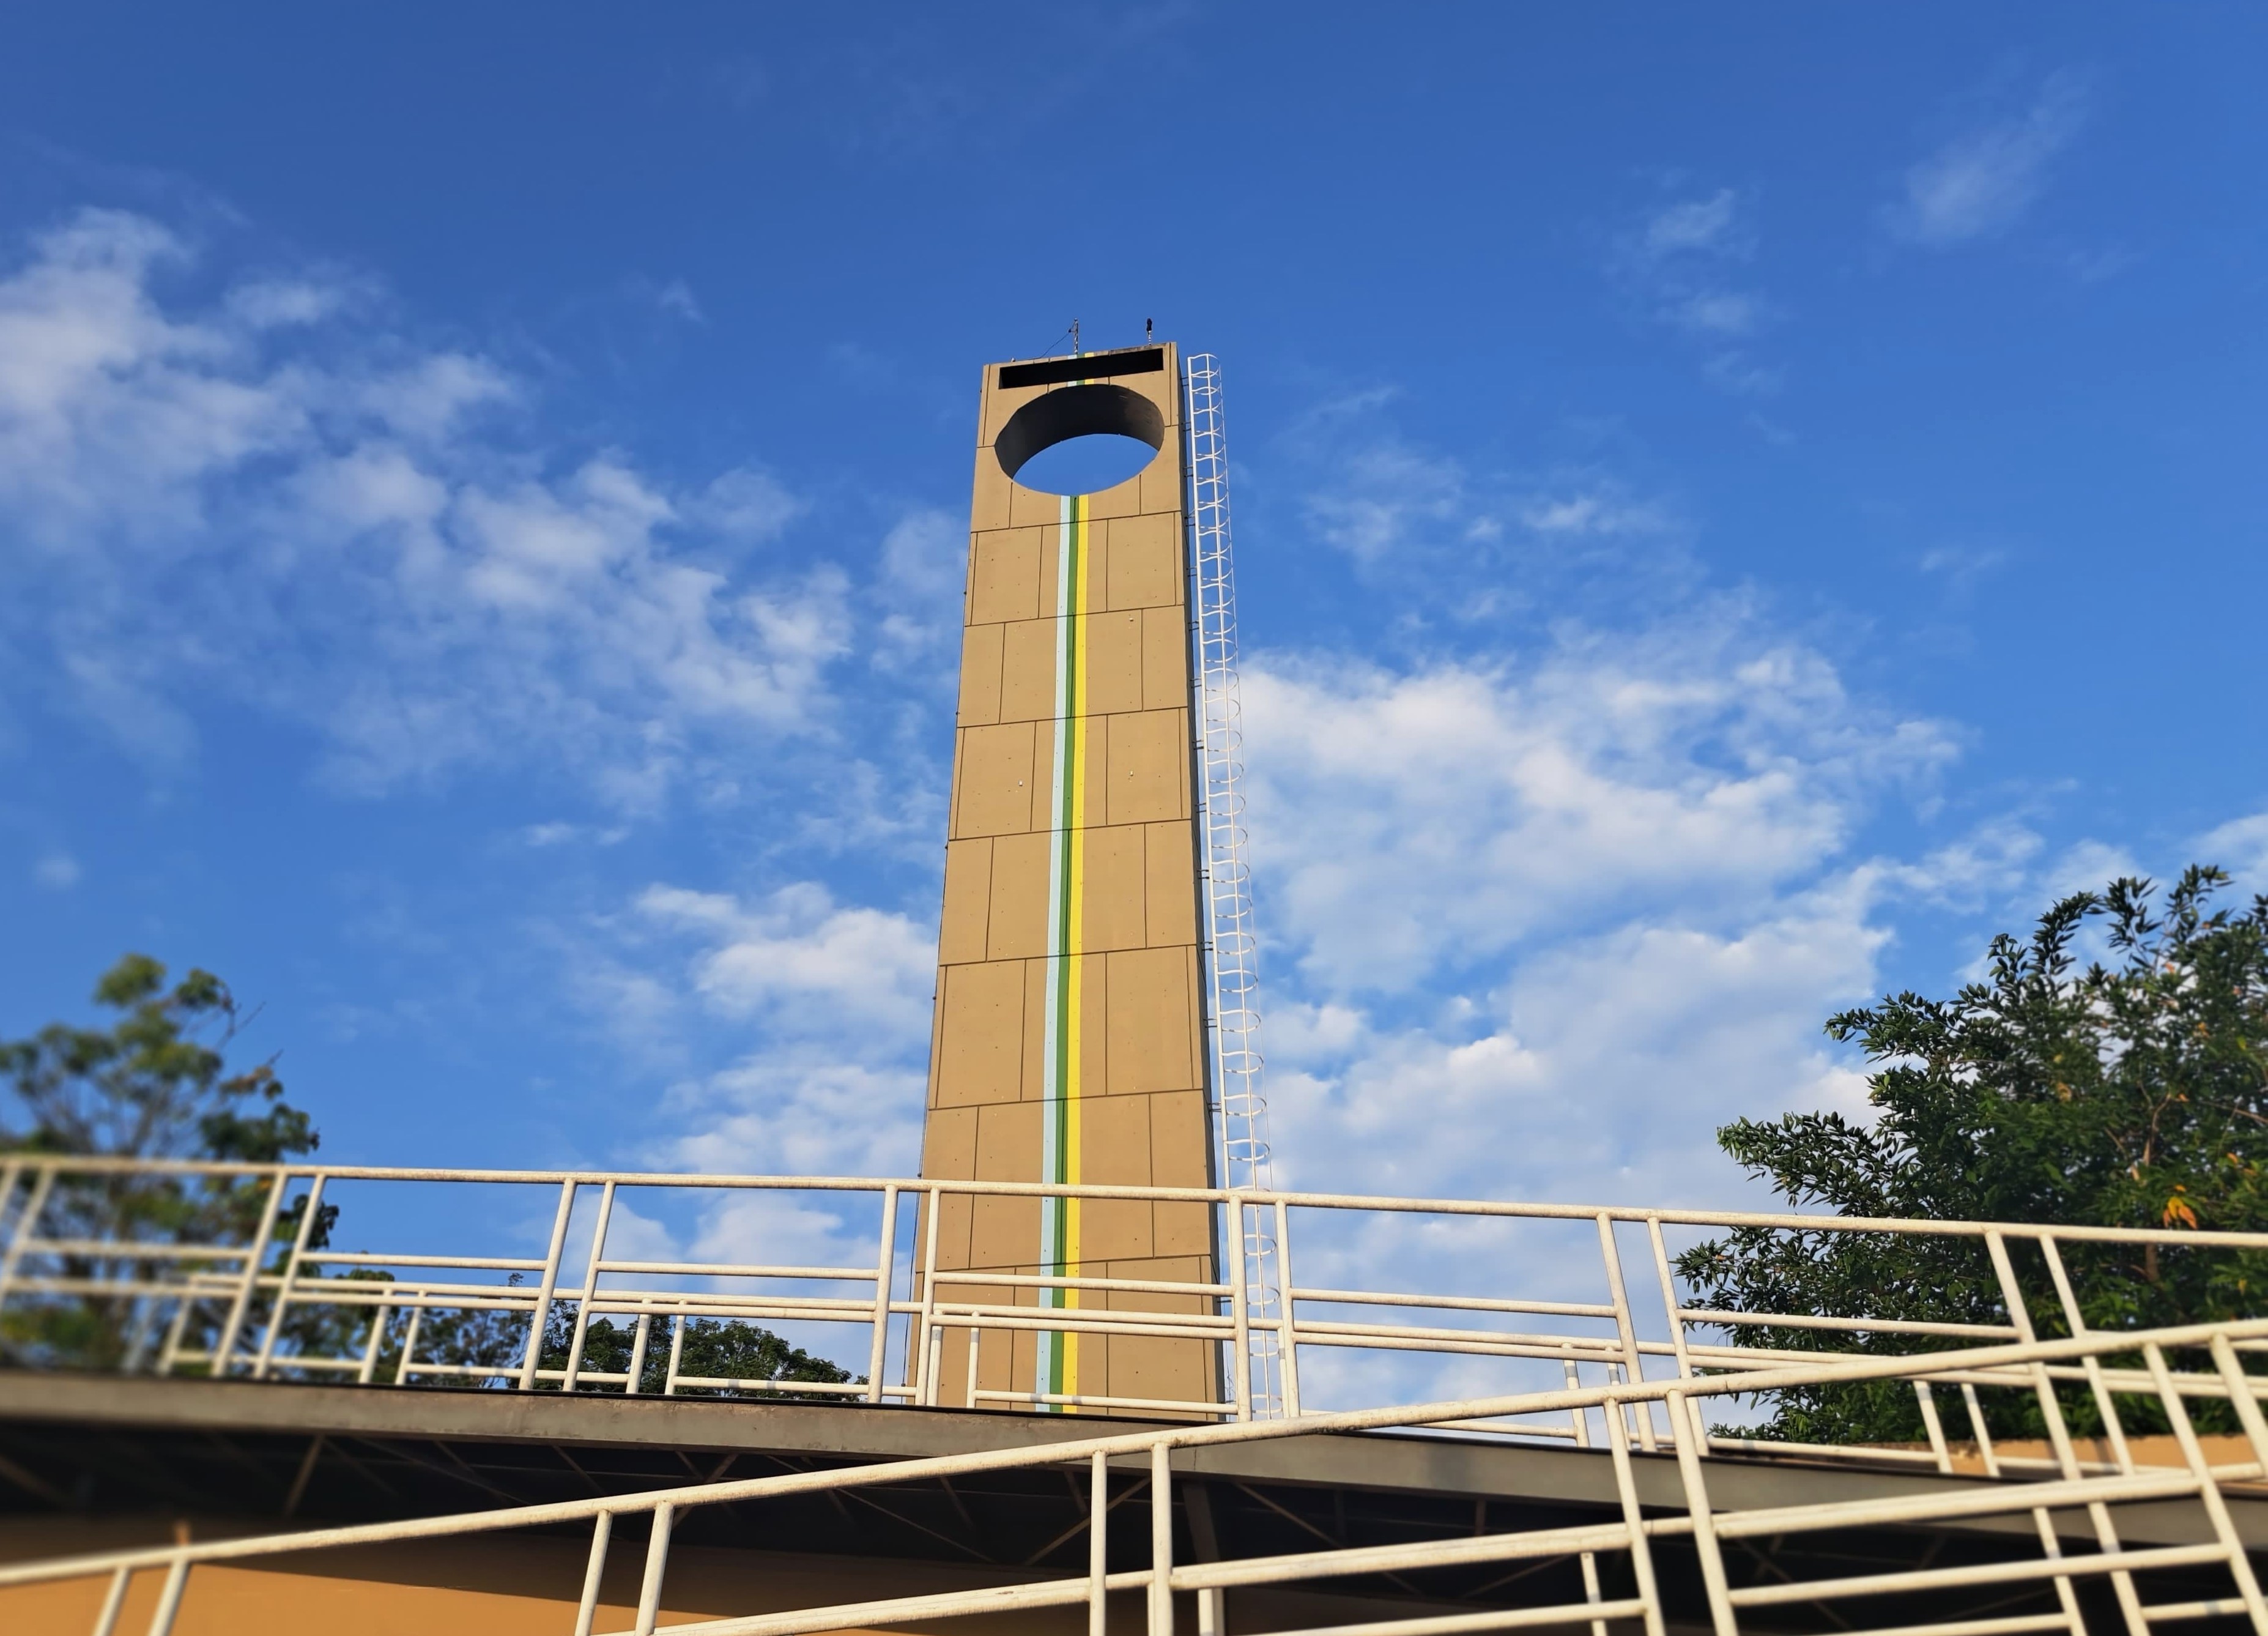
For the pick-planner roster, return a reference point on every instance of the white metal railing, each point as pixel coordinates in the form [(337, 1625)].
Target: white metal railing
[(1629, 1541), (1231, 934), (187, 1286)]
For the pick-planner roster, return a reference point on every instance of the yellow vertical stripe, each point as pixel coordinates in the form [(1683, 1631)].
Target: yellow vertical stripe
[(1076, 942)]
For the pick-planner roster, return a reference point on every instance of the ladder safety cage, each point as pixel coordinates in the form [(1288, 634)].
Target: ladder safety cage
[(1226, 882)]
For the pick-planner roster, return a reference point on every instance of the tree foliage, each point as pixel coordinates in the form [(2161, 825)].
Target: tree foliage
[(494, 1344), (2130, 1092), (153, 1084), (156, 1084)]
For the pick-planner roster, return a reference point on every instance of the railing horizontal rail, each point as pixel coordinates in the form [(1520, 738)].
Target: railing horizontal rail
[(1538, 1210)]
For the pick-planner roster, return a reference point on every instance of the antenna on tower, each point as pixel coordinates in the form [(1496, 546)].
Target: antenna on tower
[(1246, 1162)]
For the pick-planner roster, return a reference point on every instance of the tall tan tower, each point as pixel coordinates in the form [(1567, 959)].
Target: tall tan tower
[(1068, 1039)]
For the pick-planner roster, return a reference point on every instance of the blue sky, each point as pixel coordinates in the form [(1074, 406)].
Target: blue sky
[(1732, 508)]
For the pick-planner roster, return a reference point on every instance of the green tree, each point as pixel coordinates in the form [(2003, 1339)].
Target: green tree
[(154, 1084), (714, 1349), (497, 1342), (2131, 1092)]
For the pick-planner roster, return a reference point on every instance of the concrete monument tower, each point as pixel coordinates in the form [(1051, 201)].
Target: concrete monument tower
[(1068, 1039)]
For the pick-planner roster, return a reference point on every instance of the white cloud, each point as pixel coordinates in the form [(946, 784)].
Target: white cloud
[(805, 965), (2086, 867), (1385, 494), (334, 523), (1601, 1071), (1415, 822), (1535, 930), (832, 1003), (923, 556), (1595, 510), (1677, 263), (747, 506), (58, 871), (1719, 312), (676, 297), (278, 303), (1981, 182), (2241, 847), (1963, 566), (1713, 223)]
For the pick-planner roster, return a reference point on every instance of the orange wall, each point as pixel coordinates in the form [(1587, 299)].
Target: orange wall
[(500, 1586)]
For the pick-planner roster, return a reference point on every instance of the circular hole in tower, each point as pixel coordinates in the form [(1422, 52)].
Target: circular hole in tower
[(1080, 440)]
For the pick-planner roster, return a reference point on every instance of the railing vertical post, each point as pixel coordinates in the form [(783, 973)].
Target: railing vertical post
[(1098, 1547), (1590, 1559), (638, 1343), (594, 1571), (1239, 1309), (170, 1353), (169, 1598), (1934, 1427), (2216, 1508), (886, 1267), (27, 1225), (676, 1353), (10, 1172), (241, 1307), (1161, 1538), (1641, 1555), (1633, 1370), (1286, 1306), (1984, 1432), (1705, 1522), (1669, 1306), (2106, 1534), (380, 1314), (2241, 1398), (273, 1333), (541, 1316), (975, 1335), (2105, 1405), (105, 1620), (401, 1371), (924, 1352), (590, 1288), (657, 1563)]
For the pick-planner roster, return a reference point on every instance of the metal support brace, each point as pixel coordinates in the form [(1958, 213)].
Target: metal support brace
[(273, 1332), (1161, 1540), (106, 1621), (2216, 1508), (1633, 1521), (886, 1264), (169, 1597), (1618, 1291), (602, 1529), (224, 1346), (1934, 1427), (27, 1225), (638, 1343), (1288, 1339), (1704, 1524), (2106, 1534), (657, 1563), (590, 1288), (541, 1317), (1098, 1546)]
